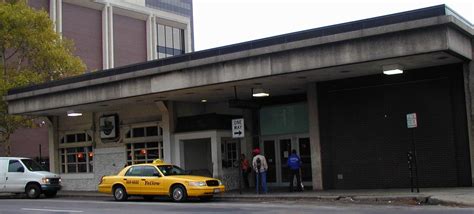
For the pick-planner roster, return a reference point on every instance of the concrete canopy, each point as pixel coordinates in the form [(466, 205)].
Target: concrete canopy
[(431, 38)]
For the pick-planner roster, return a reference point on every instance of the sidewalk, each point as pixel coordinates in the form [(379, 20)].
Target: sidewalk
[(460, 196)]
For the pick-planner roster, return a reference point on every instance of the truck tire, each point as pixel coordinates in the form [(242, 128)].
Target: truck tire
[(33, 191)]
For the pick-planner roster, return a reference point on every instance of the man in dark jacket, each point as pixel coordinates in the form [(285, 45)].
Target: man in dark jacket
[(294, 163)]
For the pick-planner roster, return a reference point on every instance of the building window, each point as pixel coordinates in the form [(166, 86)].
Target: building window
[(170, 41), (144, 152), (144, 144), (76, 153), (77, 159), (230, 155)]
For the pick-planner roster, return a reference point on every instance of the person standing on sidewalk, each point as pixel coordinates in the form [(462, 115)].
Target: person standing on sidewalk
[(294, 163), (260, 166), (245, 167)]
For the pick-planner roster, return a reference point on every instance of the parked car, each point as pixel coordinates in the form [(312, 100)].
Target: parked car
[(24, 175), (159, 179)]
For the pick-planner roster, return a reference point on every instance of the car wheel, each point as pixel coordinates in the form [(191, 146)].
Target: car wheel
[(50, 194), (178, 193), (148, 197), (206, 198), (32, 191), (120, 194)]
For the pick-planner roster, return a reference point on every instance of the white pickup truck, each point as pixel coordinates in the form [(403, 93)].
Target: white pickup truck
[(24, 175)]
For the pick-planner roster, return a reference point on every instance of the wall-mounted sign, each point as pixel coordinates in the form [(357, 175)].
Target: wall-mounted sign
[(412, 121), (238, 128), (108, 126)]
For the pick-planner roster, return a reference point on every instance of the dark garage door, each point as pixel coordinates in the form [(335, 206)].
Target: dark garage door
[(365, 139)]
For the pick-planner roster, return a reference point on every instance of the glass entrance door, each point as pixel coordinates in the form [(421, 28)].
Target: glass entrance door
[(285, 151), (269, 152), (277, 149)]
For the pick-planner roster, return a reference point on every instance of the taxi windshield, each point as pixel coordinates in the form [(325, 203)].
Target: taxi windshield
[(168, 170)]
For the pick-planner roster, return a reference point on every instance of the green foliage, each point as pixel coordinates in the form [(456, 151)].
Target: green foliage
[(31, 52)]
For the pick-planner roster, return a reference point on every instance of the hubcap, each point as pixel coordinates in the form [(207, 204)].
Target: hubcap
[(32, 192), (119, 193), (177, 194)]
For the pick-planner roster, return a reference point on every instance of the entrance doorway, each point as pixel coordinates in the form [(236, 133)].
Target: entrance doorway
[(197, 156), (277, 149)]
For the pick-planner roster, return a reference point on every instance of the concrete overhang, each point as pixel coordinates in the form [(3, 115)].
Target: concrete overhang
[(284, 67)]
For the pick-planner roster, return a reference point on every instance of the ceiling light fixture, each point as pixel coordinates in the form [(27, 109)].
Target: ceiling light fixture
[(259, 92), (392, 69), (72, 113), (203, 101)]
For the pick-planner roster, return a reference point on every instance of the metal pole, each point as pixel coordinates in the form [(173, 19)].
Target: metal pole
[(240, 168), (40, 153), (415, 159)]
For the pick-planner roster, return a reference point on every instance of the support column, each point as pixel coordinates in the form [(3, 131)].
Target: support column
[(469, 92), (151, 38), (56, 15), (107, 37), (53, 143), (168, 120), (314, 136)]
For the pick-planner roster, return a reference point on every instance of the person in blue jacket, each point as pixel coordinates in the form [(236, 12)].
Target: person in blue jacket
[(294, 163)]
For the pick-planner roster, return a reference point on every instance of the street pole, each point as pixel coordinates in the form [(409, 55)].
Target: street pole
[(240, 168)]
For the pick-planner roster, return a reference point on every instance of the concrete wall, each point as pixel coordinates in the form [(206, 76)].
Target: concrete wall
[(321, 52)]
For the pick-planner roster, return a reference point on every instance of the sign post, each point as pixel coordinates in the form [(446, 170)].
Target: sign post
[(412, 123), (238, 131)]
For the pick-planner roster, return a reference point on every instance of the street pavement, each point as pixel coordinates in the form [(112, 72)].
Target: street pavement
[(460, 196), (139, 206)]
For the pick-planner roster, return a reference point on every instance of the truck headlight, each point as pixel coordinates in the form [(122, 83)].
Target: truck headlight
[(45, 180), (197, 183)]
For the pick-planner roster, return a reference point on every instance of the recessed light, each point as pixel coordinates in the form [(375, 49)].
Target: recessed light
[(392, 69), (203, 101), (259, 92), (72, 113)]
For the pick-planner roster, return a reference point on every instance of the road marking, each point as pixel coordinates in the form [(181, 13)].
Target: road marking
[(49, 210)]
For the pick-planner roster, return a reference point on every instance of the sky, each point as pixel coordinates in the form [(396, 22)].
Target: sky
[(224, 22)]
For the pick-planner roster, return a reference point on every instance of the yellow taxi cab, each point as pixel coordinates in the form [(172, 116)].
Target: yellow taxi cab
[(159, 179)]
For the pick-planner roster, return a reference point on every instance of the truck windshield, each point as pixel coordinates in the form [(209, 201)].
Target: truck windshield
[(168, 170), (32, 165)]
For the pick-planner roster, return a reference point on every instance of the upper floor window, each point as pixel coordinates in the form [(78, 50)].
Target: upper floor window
[(170, 41), (76, 138)]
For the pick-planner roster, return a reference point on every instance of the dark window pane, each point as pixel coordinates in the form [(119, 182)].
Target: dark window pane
[(152, 131), (91, 169), (15, 166), (80, 149), (71, 158), (70, 138), (89, 138), (152, 145), (62, 140), (82, 167), (138, 132), (71, 168), (81, 137), (71, 150), (153, 154), (63, 168), (148, 171), (139, 145)]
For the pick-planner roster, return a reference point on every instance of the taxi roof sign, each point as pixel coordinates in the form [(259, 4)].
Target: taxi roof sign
[(158, 161)]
